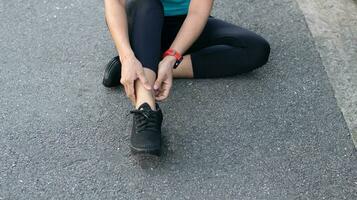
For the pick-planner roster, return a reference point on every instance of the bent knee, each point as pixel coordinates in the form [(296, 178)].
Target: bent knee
[(260, 52), (265, 51)]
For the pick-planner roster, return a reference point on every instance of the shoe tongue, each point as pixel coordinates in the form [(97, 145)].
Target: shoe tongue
[(144, 106)]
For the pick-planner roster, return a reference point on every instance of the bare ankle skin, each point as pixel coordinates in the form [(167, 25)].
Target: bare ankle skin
[(142, 94)]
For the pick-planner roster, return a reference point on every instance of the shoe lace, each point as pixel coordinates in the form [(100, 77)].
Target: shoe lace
[(143, 120), (140, 112)]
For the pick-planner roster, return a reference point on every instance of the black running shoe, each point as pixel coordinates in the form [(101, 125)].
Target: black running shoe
[(146, 131), (112, 73)]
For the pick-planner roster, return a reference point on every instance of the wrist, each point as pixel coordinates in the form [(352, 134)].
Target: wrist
[(171, 59), (173, 55), (123, 56)]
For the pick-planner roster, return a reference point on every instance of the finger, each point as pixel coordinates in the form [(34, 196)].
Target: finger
[(125, 88), (157, 92), (164, 93), (127, 92), (158, 95), (122, 82), (158, 83), (163, 96), (144, 80), (167, 90), (131, 92), (160, 98)]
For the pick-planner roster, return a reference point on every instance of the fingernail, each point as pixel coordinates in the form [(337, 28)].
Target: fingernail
[(155, 87)]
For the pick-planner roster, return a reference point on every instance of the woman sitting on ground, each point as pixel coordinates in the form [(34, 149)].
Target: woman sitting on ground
[(158, 40)]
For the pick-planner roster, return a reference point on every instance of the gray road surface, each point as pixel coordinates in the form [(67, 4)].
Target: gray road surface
[(333, 24), (276, 133)]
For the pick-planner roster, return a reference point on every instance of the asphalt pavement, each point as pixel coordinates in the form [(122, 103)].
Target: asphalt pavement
[(275, 133)]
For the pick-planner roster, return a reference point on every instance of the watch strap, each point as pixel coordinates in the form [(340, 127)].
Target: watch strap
[(177, 55)]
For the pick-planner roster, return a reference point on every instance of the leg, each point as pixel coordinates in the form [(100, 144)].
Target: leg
[(143, 17), (146, 17), (223, 49), (145, 26), (142, 94), (185, 70)]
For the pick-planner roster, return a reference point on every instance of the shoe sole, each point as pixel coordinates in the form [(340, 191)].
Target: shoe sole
[(136, 150)]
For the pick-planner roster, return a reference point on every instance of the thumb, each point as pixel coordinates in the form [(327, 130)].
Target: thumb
[(144, 80), (158, 83)]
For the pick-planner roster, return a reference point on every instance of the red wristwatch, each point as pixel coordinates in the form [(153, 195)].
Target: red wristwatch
[(177, 55)]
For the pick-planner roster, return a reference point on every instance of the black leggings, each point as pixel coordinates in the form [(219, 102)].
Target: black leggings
[(223, 49)]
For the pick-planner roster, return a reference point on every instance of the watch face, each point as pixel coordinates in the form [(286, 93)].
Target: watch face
[(177, 63)]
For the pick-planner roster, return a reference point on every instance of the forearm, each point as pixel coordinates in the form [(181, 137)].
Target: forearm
[(193, 26), (116, 18)]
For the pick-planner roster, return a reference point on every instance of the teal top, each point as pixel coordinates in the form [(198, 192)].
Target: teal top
[(175, 7)]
